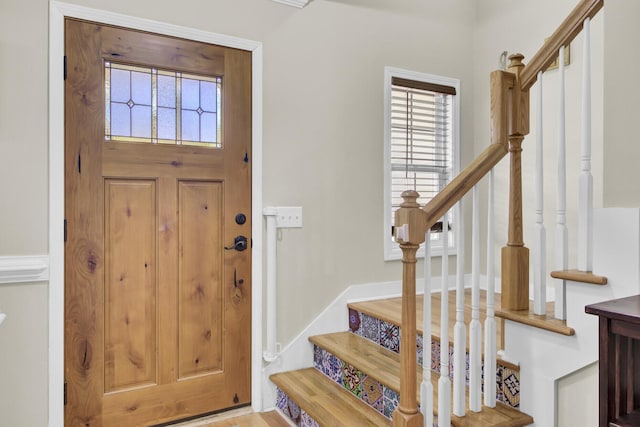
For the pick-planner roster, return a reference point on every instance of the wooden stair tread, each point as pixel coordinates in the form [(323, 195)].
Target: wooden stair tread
[(325, 401), (384, 366), (390, 310), (379, 363), (579, 276), (546, 322)]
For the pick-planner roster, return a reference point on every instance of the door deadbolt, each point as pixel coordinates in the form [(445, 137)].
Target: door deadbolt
[(239, 244), (241, 219)]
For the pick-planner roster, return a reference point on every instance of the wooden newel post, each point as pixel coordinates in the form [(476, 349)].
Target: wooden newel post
[(410, 232), (515, 256)]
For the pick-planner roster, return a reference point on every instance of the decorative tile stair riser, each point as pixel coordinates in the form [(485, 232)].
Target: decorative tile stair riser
[(388, 336)]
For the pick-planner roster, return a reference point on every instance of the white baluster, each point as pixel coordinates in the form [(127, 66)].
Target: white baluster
[(585, 187), (490, 321), (540, 249), (426, 388), (460, 329), (444, 383), (561, 216), (475, 328)]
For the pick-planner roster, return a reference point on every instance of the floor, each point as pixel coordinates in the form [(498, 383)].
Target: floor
[(243, 417)]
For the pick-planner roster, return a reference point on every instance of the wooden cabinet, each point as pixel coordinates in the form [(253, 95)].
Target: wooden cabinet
[(619, 371)]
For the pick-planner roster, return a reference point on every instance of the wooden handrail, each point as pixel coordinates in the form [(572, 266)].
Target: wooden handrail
[(461, 184), (564, 35), (509, 125)]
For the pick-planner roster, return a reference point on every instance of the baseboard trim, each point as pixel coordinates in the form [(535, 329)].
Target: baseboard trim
[(24, 269)]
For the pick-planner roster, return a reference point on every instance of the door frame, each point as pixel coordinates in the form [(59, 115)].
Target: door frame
[(58, 11)]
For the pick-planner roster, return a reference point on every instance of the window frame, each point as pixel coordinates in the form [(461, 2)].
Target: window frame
[(392, 250)]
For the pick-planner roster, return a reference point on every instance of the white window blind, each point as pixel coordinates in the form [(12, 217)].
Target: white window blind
[(420, 143), (421, 139)]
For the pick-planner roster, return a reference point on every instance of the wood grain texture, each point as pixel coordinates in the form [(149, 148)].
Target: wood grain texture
[(313, 383), (174, 358), (515, 192), (564, 35), (580, 276), (515, 278), (200, 276), (389, 310), (500, 83), (519, 100), (407, 414), (266, 419), (325, 401), (619, 367), (130, 283), (463, 182), (379, 363), (84, 258), (546, 322)]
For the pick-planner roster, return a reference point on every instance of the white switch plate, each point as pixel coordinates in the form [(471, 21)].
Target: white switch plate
[(289, 217)]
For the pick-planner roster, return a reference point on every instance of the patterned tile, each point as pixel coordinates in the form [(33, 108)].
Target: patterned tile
[(467, 367), (355, 320), (282, 401), (451, 361), (370, 328), (317, 358), (372, 393), (351, 379), (419, 349), (390, 401), (390, 336), (511, 387), (499, 392), (307, 421), (328, 364), (435, 356), (293, 411)]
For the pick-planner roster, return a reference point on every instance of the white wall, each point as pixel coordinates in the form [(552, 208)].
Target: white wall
[(578, 398), (323, 145), (622, 58), (23, 355), (23, 208)]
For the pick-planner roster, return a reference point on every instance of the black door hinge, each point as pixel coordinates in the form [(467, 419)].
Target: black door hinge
[(65, 392), (65, 67), (65, 230)]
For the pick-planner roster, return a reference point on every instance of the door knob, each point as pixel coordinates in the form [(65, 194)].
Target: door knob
[(239, 244)]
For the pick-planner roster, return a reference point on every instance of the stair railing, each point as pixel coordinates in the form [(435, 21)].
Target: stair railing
[(509, 126)]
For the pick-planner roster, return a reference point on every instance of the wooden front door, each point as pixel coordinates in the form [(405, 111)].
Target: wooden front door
[(157, 184)]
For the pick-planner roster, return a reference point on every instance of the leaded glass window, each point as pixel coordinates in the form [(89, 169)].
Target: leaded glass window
[(162, 107)]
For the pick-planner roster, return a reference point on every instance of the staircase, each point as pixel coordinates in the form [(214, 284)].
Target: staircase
[(356, 376), (370, 375)]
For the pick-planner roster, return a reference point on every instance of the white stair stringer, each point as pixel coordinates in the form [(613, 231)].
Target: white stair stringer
[(546, 357)]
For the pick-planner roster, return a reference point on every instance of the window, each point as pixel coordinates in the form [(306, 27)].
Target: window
[(162, 107), (422, 143)]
